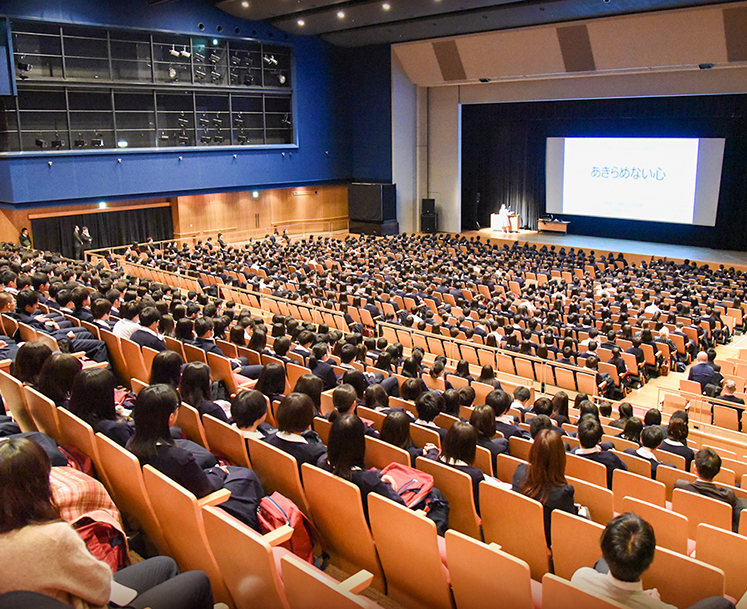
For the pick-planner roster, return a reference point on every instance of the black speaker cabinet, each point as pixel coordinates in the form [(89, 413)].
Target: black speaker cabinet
[(428, 206), (428, 223), (390, 227)]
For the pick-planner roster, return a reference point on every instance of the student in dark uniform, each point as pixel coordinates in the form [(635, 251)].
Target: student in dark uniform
[(294, 436)]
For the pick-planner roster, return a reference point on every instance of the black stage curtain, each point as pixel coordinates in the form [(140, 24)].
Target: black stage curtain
[(503, 159), (108, 229)]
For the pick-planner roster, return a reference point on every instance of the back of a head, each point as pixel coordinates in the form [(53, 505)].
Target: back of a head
[(588, 407), (589, 431), (677, 430), (166, 368), (652, 437), (194, 385), (346, 447), (653, 417), (344, 397), (29, 361), (376, 397), (547, 464), (499, 401), (410, 389), (427, 406), (707, 463), (295, 413), (483, 420), (633, 429), (539, 423), (628, 546), (466, 395), (542, 405), (460, 443), (395, 429), (521, 394), (248, 407), (357, 380), (153, 408), (625, 410)]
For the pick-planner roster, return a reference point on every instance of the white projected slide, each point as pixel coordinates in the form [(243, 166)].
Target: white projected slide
[(651, 179)]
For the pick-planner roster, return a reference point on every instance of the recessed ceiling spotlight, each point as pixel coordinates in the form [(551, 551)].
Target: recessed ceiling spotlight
[(245, 4), (301, 22), (340, 14), (386, 6)]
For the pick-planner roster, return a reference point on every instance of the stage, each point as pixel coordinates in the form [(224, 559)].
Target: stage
[(635, 251)]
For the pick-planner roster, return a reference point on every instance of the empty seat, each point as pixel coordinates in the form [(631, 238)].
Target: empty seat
[(575, 543)]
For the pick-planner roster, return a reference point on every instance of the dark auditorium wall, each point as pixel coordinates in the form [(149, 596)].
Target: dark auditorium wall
[(322, 94), (503, 148)]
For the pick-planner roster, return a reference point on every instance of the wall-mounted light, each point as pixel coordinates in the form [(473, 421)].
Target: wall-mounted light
[(42, 143), (215, 76), (182, 139), (204, 121), (241, 139), (80, 142), (286, 120), (270, 60), (122, 144), (217, 121), (239, 121), (57, 142), (185, 52), (182, 120), (23, 67), (102, 205), (173, 51), (255, 194), (172, 72), (200, 74), (214, 58), (281, 78), (205, 139), (199, 56), (249, 80), (218, 139), (235, 60)]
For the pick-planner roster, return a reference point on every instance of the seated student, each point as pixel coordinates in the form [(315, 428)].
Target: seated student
[(462, 370), (271, 381), (128, 319), (249, 414), (101, 310), (466, 396), (543, 478), (628, 545), (311, 385), (147, 334), (632, 431), (676, 440), (411, 389), (204, 328), (483, 419), (395, 430), (155, 410), (428, 407), (346, 458), (707, 466), (487, 376), (730, 387), (521, 400), (294, 436), (320, 367), (280, 349), (651, 439), (458, 449), (56, 377), (452, 407), (560, 408), (500, 402), (194, 388), (589, 435), (345, 401), (41, 553), (625, 412)]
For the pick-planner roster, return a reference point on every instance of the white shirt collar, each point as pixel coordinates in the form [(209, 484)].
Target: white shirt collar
[(291, 437), (630, 586), (256, 435), (588, 451), (646, 453), (673, 442), (506, 418)]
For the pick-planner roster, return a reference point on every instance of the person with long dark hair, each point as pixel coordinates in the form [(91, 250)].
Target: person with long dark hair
[(155, 410), (92, 399), (543, 478), (41, 553), (194, 388), (56, 377), (166, 368)]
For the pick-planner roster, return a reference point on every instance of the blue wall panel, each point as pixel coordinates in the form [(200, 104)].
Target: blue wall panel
[(324, 137)]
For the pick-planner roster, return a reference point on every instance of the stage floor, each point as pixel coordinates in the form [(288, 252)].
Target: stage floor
[(639, 249)]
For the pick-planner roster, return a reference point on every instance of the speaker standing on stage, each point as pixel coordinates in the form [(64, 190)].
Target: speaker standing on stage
[(504, 220), (77, 243), (85, 238)]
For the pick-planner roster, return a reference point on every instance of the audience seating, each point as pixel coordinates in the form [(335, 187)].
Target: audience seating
[(220, 368), (308, 588), (43, 411), (15, 401), (575, 543), (456, 486), (558, 593), (599, 499), (247, 560), (407, 545), (379, 454), (117, 357), (636, 465), (188, 418), (134, 358), (668, 476), (226, 441), (77, 433), (586, 469), (278, 471), (178, 513), (726, 551), (481, 574), (337, 511), (628, 484), (122, 469), (672, 529), (501, 510), (701, 509)]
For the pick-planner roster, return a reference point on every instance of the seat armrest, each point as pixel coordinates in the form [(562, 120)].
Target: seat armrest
[(279, 535), (358, 582), (215, 498)]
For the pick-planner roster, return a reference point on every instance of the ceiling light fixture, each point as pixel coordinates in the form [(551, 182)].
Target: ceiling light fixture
[(245, 4), (340, 14), (301, 22), (386, 6)]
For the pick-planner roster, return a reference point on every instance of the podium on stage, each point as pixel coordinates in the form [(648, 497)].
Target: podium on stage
[(495, 223)]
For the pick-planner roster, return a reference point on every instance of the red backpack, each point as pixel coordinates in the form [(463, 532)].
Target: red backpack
[(275, 511), (411, 484)]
